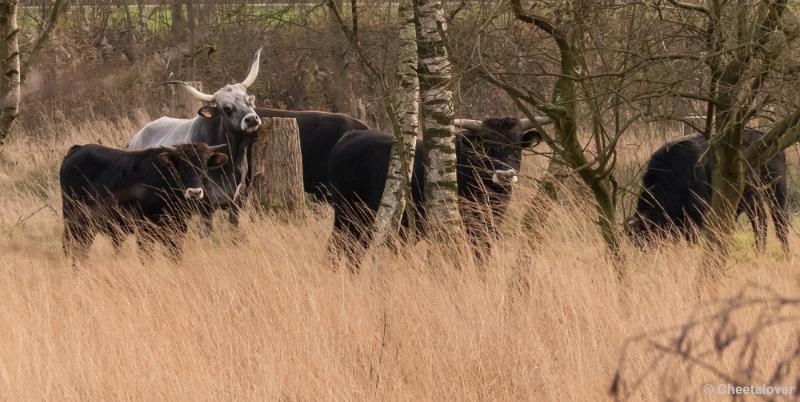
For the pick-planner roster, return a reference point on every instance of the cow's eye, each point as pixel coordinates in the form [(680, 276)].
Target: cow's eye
[(228, 109)]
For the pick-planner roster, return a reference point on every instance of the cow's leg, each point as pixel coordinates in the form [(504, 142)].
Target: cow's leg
[(691, 233), (233, 215), (238, 205), (761, 230), (77, 239), (79, 232), (777, 207), (477, 233), (480, 223), (206, 220), (754, 208), (145, 239), (171, 236), (342, 238), (348, 238)]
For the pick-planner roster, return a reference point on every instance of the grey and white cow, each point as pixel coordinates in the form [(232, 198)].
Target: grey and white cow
[(229, 118)]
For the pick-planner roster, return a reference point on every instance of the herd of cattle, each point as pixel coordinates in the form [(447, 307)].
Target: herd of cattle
[(176, 167)]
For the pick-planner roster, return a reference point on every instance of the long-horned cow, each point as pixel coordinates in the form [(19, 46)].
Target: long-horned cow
[(489, 157), (229, 118)]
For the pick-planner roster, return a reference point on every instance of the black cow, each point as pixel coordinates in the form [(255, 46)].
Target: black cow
[(118, 192), (677, 192), (488, 160), (319, 132)]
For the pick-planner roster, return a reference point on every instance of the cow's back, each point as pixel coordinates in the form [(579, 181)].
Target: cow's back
[(88, 170), (677, 180), (319, 133), (164, 131), (359, 163), (674, 179)]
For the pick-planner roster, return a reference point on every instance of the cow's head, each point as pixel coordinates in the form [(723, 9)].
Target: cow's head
[(649, 225), (644, 232), (493, 147), (232, 103), (186, 165)]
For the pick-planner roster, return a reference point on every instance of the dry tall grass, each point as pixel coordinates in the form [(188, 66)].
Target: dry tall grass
[(258, 314)]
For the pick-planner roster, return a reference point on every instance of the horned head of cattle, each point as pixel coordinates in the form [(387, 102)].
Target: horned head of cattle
[(231, 103), (115, 192), (184, 167), (493, 148)]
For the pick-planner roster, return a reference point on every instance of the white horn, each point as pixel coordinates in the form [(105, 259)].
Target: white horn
[(192, 90), (526, 123), (468, 124), (251, 76), (217, 147)]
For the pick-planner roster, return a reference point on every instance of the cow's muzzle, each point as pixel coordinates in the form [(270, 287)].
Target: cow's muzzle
[(505, 176), (193, 194), (251, 123)]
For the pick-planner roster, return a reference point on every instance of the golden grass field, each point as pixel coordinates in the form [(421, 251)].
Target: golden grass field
[(259, 313)]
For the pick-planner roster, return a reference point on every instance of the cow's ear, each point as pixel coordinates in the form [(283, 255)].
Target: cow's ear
[(207, 112), (531, 138), (164, 159), (216, 160)]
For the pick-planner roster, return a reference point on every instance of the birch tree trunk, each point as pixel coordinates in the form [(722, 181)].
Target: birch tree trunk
[(10, 67), (439, 137), (396, 192)]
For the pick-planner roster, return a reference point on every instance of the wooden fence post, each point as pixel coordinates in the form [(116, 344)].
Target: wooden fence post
[(183, 104), (277, 166)]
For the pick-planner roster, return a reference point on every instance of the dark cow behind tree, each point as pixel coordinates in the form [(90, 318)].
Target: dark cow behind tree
[(118, 192), (319, 132), (489, 154), (230, 119), (677, 191)]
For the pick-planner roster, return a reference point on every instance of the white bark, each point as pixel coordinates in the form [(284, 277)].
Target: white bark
[(396, 192), (9, 67), (441, 195)]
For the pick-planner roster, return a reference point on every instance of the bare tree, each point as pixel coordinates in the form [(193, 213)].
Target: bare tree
[(401, 107), (577, 45), (396, 193), (748, 61), (12, 66), (439, 137), (734, 344)]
